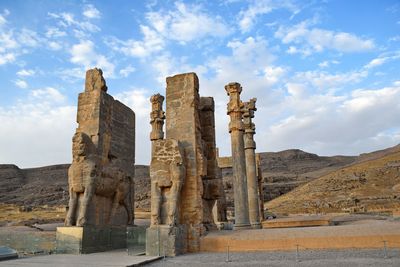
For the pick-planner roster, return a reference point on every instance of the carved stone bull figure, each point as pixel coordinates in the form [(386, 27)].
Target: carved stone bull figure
[(86, 179)]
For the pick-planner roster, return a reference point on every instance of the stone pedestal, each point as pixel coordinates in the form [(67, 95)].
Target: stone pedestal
[(89, 239), (166, 240)]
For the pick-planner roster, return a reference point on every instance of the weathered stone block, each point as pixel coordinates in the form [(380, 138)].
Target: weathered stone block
[(166, 240), (83, 240)]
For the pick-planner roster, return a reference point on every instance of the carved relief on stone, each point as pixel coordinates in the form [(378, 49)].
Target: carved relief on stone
[(167, 173), (101, 174)]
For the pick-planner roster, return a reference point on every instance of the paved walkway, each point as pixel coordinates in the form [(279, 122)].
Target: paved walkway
[(104, 259), (308, 258)]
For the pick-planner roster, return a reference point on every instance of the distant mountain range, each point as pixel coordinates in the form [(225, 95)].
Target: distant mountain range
[(282, 172)]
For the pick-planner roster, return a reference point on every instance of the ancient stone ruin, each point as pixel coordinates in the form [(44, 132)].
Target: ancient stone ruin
[(236, 130), (185, 178), (101, 174), (245, 171), (248, 110)]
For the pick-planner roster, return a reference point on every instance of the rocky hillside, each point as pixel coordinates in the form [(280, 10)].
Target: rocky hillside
[(49, 185), (369, 185), (35, 186), (285, 170), (282, 172)]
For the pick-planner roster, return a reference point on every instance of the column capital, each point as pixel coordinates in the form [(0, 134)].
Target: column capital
[(232, 88), (249, 107)]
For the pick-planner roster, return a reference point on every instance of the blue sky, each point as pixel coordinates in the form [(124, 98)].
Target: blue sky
[(325, 73)]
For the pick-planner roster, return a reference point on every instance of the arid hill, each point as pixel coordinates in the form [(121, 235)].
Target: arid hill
[(285, 170), (48, 185), (282, 172), (372, 184)]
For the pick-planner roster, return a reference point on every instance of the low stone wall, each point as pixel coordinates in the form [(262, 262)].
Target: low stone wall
[(29, 242), (367, 235)]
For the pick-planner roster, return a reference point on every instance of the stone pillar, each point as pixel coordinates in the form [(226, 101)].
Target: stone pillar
[(260, 186), (251, 171), (238, 156), (157, 117), (183, 124)]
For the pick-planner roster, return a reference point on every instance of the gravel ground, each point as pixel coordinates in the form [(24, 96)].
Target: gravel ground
[(311, 258)]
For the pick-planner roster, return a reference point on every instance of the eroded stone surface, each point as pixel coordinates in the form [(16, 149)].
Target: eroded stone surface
[(212, 182), (167, 173), (101, 174), (184, 173)]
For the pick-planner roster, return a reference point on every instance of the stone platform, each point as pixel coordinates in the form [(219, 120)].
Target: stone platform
[(90, 239), (362, 234), (7, 253), (104, 259), (298, 221)]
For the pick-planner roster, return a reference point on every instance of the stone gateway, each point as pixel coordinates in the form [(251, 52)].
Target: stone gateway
[(101, 174)]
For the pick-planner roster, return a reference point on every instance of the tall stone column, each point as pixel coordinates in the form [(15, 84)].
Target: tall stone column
[(251, 170), (238, 156), (260, 186)]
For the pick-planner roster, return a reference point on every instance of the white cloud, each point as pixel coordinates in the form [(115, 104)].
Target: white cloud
[(382, 59), (7, 41), (71, 75), (7, 58), (296, 89), (3, 16), (323, 80), (139, 101), (152, 42), (84, 54), (256, 8), (324, 64), (21, 84), (361, 121), (66, 20), (25, 73), (376, 62), (54, 32), (54, 46), (29, 38), (91, 12), (327, 63), (273, 74), (317, 40), (36, 133), (186, 23), (48, 94), (127, 70)]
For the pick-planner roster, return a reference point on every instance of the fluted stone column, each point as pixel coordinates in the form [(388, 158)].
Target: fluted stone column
[(238, 157), (251, 170)]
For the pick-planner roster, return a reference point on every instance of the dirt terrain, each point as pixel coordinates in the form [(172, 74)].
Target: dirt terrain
[(372, 184)]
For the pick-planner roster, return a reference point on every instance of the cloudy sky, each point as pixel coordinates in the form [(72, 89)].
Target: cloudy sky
[(325, 73)]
